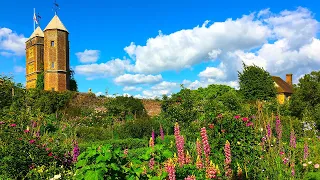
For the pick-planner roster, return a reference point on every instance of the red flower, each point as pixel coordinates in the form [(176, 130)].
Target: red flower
[(47, 149), (20, 139), (13, 125), (211, 126), (27, 130), (244, 119), (50, 154), (223, 130), (281, 153), (32, 141)]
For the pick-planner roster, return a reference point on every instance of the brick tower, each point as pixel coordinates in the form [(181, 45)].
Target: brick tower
[(56, 56), (34, 57)]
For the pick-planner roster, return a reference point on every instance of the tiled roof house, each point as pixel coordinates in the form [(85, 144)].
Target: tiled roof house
[(284, 88)]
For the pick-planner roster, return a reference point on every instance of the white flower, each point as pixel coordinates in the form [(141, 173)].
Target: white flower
[(261, 129), (57, 176), (310, 162)]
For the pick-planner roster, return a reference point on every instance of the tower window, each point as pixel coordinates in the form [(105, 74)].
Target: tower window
[(52, 43), (52, 65)]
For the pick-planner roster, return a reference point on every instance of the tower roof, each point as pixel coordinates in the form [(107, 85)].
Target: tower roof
[(55, 23), (37, 32)]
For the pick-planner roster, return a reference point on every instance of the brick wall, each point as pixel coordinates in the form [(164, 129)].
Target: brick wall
[(34, 60), (56, 60)]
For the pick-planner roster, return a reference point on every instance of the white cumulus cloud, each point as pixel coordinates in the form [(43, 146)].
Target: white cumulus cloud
[(135, 79), (132, 88), (111, 68), (88, 56), (11, 43)]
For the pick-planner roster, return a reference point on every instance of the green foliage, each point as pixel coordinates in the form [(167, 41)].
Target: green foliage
[(256, 83), (138, 128), (306, 97), (121, 106), (40, 81), (46, 101), (101, 163), (73, 86)]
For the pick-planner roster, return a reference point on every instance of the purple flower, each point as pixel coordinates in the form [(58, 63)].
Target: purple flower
[(269, 131), (76, 152)]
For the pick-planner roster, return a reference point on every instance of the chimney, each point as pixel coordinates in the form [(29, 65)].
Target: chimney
[(289, 79)]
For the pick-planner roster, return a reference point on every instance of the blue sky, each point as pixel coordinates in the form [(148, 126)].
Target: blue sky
[(117, 45)]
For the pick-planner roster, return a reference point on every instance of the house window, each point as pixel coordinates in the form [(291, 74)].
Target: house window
[(52, 43), (52, 65)]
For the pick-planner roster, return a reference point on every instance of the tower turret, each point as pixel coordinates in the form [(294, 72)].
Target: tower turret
[(34, 57), (56, 56)]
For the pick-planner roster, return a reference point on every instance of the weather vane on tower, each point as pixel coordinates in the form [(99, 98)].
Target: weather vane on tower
[(55, 7)]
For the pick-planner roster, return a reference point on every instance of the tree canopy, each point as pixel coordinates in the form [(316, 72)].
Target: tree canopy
[(256, 83)]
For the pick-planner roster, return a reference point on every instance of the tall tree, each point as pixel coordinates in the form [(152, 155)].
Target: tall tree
[(256, 83)]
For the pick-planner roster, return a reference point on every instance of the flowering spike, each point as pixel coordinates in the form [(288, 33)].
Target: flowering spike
[(269, 132), (278, 128), (151, 142), (227, 162), (76, 152), (305, 151), (199, 163), (170, 169), (292, 139), (161, 133), (206, 146)]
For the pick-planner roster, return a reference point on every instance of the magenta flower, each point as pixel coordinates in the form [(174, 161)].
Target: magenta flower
[(269, 132), (179, 144), (227, 161), (170, 170), (13, 125), (32, 141), (27, 130), (206, 146), (190, 178), (245, 119), (281, 153), (249, 124), (161, 133), (237, 117), (76, 152), (278, 128)]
